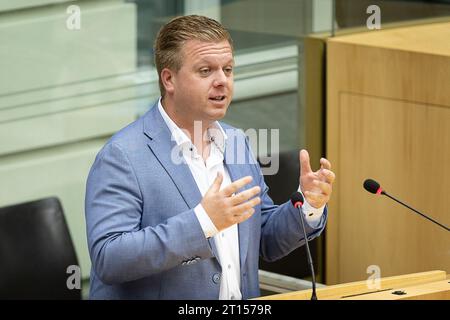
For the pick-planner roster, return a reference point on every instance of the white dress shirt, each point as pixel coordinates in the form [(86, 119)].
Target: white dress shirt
[(204, 173)]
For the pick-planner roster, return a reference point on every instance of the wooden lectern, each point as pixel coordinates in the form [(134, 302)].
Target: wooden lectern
[(432, 285), (388, 118)]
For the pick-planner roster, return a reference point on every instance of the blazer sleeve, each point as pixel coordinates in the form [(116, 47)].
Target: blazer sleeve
[(281, 230), (120, 249)]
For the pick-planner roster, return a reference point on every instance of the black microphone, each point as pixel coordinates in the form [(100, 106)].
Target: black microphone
[(297, 201), (374, 187)]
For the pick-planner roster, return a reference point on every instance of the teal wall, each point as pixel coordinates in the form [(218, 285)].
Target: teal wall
[(62, 94)]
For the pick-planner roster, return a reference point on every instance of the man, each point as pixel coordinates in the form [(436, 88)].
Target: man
[(171, 213)]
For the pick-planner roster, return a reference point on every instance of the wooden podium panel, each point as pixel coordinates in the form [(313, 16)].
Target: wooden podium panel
[(388, 118), (420, 286)]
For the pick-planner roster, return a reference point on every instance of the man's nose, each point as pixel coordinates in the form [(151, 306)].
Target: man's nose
[(220, 79)]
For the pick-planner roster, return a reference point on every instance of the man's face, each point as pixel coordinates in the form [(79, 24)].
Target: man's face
[(203, 87)]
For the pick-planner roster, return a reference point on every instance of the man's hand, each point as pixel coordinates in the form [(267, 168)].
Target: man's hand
[(316, 186), (224, 208)]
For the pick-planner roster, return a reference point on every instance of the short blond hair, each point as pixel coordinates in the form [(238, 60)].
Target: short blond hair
[(171, 37)]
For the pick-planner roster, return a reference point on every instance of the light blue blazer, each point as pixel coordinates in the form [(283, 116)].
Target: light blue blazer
[(144, 239)]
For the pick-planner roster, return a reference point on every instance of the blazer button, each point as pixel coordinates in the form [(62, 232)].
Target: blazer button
[(216, 278)]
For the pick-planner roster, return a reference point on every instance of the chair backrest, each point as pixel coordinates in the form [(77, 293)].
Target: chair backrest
[(35, 251), (281, 186)]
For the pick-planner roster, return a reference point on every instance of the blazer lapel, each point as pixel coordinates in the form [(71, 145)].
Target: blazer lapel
[(162, 145)]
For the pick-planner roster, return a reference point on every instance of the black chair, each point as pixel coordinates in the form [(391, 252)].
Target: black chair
[(35, 251), (281, 186)]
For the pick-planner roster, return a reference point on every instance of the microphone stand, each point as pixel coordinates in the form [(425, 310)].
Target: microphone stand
[(374, 187), (308, 252), (416, 211)]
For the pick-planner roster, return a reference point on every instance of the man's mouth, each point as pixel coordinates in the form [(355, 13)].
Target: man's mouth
[(217, 98)]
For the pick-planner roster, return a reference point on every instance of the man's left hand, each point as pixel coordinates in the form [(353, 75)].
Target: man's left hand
[(315, 186)]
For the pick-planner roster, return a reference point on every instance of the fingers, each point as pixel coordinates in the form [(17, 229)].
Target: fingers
[(324, 187), (247, 214), (327, 175), (236, 185), (245, 195), (325, 164), (226, 210), (305, 166), (246, 207), (217, 182)]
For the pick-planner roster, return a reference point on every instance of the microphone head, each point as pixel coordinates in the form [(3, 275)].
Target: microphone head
[(297, 199), (372, 186)]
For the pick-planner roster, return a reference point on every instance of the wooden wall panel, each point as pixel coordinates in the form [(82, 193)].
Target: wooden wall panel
[(388, 118)]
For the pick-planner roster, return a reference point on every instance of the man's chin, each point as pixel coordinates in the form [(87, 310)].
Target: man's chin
[(218, 115)]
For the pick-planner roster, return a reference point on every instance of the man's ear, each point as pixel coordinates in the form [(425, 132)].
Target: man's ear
[(167, 80)]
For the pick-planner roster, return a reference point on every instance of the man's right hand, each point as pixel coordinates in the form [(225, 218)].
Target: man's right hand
[(226, 208)]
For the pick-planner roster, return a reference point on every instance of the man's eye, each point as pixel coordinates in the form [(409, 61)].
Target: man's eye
[(228, 70), (204, 71)]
